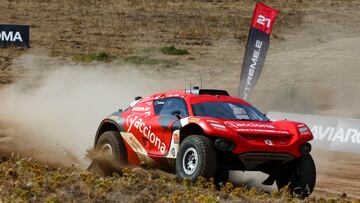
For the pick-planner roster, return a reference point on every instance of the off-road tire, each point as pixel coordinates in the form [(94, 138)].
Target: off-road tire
[(119, 154), (206, 165), (303, 175), (221, 176)]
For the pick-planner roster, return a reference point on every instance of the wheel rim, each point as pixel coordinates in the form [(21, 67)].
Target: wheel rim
[(190, 161), (107, 150)]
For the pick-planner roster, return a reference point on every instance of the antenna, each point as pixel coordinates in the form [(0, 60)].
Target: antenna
[(200, 79), (190, 88)]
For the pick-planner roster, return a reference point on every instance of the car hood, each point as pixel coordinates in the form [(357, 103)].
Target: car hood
[(259, 127)]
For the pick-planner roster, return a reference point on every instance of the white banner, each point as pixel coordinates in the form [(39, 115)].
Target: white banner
[(330, 133)]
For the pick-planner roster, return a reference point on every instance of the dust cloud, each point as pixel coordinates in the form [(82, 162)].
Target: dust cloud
[(321, 79), (53, 112)]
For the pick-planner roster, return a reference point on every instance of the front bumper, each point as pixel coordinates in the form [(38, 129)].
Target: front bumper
[(252, 160)]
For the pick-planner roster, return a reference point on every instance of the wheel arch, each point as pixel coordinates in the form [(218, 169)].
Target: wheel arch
[(190, 129), (106, 125)]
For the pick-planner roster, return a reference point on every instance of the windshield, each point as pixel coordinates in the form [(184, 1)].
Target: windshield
[(228, 111)]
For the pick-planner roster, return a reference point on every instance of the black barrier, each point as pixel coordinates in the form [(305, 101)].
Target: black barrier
[(14, 35)]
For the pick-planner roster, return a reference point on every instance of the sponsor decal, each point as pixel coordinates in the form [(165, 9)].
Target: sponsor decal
[(263, 18), (194, 120), (133, 142), (252, 68), (330, 133), (218, 126), (173, 95), (268, 142), (174, 146), (212, 121), (249, 125), (173, 152), (135, 121), (333, 134), (14, 35), (176, 137), (263, 131), (256, 49), (140, 108), (136, 146), (10, 36)]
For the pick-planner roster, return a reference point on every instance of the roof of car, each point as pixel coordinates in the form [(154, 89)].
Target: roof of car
[(196, 98)]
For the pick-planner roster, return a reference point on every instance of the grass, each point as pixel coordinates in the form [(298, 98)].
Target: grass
[(88, 58), (173, 51), (149, 51), (137, 60), (24, 179), (72, 27), (146, 60)]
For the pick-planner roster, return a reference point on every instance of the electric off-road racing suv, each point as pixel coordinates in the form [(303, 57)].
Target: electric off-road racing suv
[(203, 132)]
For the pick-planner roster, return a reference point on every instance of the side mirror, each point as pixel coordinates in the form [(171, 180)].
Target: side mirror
[(176, 113)]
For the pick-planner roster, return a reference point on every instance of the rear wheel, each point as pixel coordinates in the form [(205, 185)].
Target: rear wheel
[(196, 157), (221, 176), (112, 153), (300, 176)]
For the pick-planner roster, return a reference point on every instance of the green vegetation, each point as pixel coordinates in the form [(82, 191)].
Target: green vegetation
[(23, 180), (149, 50), (88, 58), (145, 60), (173, 51)]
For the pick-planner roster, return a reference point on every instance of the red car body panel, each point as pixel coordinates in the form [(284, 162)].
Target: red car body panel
[(153, 139)]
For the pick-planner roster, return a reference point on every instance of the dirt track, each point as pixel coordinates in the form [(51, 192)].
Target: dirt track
[(338, 173)]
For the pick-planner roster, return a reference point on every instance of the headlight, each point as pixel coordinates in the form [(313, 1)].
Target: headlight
[(303, 129), (216, 125)]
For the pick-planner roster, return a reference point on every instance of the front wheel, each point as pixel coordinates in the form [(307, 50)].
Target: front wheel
[(300, 176), (111, 154), (196, 157)]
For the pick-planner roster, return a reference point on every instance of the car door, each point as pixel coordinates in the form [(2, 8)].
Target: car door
[(161, 123), (136, 130)]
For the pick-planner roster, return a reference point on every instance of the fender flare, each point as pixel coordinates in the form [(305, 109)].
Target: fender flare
[(107, 125)]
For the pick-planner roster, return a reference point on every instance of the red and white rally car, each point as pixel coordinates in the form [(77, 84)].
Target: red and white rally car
[(203, 132)]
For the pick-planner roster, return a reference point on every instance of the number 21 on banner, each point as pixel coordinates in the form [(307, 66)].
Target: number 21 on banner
[(262, 20)]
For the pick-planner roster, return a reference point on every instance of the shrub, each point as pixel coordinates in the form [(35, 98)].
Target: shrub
[(87, 58), (145, 60), (173, 51)]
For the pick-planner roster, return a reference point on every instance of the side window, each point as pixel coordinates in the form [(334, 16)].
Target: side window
[(166, 106)]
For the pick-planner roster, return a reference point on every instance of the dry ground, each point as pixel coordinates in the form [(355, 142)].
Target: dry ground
[(65, 28)]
